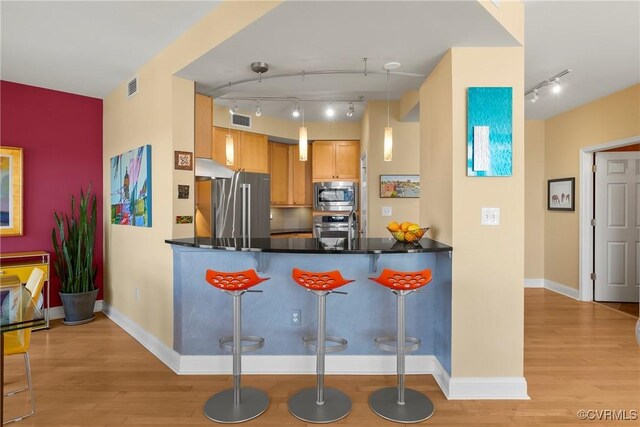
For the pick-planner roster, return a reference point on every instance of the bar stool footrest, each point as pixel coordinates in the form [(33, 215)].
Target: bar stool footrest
[(390, 344), (226, 343), (311, 343)]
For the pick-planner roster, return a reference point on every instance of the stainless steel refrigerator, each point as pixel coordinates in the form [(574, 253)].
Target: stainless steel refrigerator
[(240, 206)]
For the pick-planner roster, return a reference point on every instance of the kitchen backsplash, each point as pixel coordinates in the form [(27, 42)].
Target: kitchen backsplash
[(291, 218)]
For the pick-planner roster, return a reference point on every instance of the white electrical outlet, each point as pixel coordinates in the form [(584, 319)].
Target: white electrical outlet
[(490, 216), (387, 211)]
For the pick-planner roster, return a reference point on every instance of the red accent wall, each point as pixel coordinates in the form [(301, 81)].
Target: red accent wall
[(61, 139)]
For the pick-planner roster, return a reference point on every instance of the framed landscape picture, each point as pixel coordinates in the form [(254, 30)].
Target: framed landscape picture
[(560, 194), (10, 191), (399, 186)]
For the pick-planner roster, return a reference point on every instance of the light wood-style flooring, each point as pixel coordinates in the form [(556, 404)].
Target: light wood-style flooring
[(577, 356)]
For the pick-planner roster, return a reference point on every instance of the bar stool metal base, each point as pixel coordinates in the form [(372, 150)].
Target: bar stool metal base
[(220, 407), (302, 405), (417, 407)]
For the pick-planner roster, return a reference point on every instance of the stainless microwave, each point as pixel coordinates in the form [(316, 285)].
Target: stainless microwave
[(335, 196)]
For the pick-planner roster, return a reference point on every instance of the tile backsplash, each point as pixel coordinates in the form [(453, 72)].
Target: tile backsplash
[(291, 218)]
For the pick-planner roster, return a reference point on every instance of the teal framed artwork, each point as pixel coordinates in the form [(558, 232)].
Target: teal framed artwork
[(131, 187), (489, 131)]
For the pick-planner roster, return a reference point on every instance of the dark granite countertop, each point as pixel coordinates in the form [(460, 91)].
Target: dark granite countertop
[(302, 245), (292, 230)]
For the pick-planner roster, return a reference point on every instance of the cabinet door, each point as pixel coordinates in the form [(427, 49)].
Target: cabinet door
[(254, 153), (220, 147), (347, 159), (203, 126), (300, 178), (323, 160), (279, 173)]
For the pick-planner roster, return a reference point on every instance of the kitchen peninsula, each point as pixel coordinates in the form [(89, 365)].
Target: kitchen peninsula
[(202, 314)]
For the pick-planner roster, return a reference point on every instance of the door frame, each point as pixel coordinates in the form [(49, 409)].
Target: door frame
[(585, 240)]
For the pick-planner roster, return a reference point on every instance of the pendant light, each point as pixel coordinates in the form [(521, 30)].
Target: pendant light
[(229, 141), (388, 131), (303, 145)]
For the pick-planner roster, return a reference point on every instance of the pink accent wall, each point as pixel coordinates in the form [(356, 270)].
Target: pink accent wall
[(61, 139)]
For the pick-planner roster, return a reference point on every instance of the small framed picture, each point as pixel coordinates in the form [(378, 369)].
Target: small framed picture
[(183, 160), (183, 191), (560, 194), (399, 186)]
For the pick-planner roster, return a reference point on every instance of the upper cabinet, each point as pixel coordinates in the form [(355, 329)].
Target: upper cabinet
[(203, 124), (279, 159), (336, 160), (250, 150), (290, 178)]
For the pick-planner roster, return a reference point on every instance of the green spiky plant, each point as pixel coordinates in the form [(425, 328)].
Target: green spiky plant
[(74, 239)]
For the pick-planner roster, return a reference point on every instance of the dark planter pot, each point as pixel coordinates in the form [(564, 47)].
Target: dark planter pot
[(78, 308)]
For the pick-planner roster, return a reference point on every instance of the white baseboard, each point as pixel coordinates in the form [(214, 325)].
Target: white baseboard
[(489, 388), (58, 312), (562, 289), (453, 388), (553, 286), (534, 283), (166, 355)]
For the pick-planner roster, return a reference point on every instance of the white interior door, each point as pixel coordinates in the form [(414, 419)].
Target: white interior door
[(617, 230)]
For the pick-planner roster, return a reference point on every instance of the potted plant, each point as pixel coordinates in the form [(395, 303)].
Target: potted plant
[(74, 239)]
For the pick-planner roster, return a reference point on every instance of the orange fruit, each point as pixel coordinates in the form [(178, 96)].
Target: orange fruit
[(419, 233), (410, 237), (405, 226), (399, 235), (393, 226)]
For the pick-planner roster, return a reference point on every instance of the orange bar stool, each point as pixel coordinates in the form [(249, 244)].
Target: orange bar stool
[(400, 404), (320, 404), (238, 404)]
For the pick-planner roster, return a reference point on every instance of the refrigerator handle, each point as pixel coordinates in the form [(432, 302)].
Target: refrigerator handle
[(249, 211), (243, 189)]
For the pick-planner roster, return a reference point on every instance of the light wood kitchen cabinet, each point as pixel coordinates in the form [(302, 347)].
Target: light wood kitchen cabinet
[(336, 160), (203, 126), (301, 185), (250, 150), (279, 159), (290, 178)]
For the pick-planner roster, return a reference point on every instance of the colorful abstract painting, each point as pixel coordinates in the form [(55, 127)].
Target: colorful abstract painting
[(131, 187), (489, 131), (10, 191)]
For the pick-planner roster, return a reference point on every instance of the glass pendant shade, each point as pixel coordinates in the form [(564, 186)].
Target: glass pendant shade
[(388, 144), (229, 149), (302, 144)]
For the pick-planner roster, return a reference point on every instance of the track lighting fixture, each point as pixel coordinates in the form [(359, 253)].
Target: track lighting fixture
[(258, 108), (296, 111), (234, 108), (350, 110), (554, 82)]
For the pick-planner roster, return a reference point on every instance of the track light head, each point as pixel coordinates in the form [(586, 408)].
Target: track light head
[(234, 108), (351, 110), (296, 111), (556, 88), (258, 109), (535, 96), (330, 112)]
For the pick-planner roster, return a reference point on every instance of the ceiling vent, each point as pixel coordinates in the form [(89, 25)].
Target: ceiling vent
[(132, 87), (241, 121)]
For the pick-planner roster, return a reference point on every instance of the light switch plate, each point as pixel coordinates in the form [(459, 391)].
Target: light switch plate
[(490, 216), (386, 211)]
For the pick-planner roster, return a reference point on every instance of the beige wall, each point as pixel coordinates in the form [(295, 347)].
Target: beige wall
[(611, 118), (272, 126), (160, 115), (488, 262), (534, 199), (510, 14), (406, 160)]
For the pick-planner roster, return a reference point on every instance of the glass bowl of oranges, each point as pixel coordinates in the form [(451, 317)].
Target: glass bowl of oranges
[(406, 232)]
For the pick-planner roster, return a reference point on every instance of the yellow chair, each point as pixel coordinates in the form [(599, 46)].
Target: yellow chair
[(17, 342)]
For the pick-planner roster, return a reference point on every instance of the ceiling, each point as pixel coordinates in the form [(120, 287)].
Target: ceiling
[(89, 48)]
